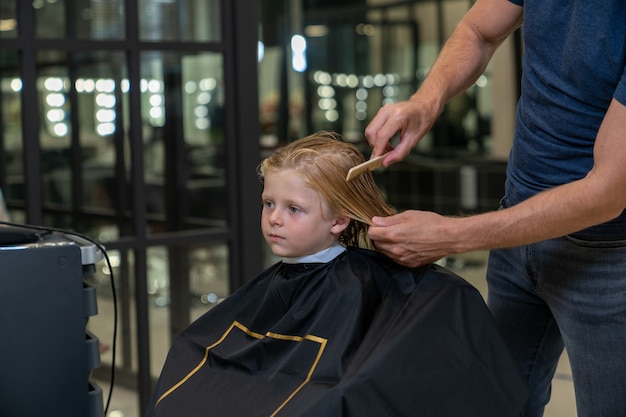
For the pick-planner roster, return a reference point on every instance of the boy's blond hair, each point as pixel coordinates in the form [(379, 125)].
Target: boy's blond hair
[(323, 160)]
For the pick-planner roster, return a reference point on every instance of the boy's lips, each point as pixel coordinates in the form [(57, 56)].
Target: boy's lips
[(276, 238)]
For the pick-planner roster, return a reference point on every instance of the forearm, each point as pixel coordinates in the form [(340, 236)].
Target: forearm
[(557, 212)]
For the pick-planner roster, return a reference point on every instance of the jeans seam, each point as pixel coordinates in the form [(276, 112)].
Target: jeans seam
[(536, 352)]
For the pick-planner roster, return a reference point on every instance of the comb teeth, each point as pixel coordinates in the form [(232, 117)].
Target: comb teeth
[(370, 165)]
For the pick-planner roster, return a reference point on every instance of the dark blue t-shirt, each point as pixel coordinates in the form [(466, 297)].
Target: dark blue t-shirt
[(574, 64)]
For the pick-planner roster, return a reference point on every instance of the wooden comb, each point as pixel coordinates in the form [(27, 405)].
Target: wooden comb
[(370, 165)]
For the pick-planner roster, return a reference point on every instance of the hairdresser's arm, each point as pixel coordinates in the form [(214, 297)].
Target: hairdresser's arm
[(415, 238), (462, 60)]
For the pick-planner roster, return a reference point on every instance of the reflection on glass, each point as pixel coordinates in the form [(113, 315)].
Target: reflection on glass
[(91, 106), (50, 18), (103, 19), (101, 89), (8, 19), (356, 62), (182, 104), (180, 20), (208, 277), (53, 87), (197, 275)]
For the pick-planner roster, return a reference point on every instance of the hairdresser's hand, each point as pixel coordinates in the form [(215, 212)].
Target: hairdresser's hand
[(411, 119), (413, 238)]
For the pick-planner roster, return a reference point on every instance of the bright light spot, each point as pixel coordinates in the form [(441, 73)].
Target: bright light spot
[(208, 84), (53, 84), (89, 86), (154, 86), (55, 100), (352, 80), (202, 124), (314, 31), (105, 100), (298, 44), (260, 52), (361, 106), (331, 115), (361, 94), (325, 91), (200, 111), (327, 103), (390, 91), (298, 62), (16, 85), (298, 48), (322, 77), (204, 98), (190, 87), (55, 115), (156, 112), (105, 129), (60, 129), (105, 86), (156, 100), (105, 115)]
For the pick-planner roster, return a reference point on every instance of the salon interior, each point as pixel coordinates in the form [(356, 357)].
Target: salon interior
[(139, 124)]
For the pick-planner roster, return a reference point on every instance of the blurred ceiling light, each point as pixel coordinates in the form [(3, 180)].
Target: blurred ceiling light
[(315, 31), (7, 25), (366, 29)]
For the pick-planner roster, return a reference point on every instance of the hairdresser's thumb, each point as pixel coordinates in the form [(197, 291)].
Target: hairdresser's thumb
[(378, 221)]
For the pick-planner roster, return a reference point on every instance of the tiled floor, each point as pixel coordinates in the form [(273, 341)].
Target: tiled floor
[(124, 402)]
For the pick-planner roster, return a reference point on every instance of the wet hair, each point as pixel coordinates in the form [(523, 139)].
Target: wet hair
[(323, 160)]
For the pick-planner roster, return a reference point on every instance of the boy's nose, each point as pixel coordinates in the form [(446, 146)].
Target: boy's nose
[(275, 217)]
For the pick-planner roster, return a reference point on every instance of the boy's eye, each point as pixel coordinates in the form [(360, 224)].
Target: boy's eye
[(294, 209), (268, 204)]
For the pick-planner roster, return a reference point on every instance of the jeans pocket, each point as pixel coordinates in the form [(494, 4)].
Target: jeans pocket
[(595, 243)]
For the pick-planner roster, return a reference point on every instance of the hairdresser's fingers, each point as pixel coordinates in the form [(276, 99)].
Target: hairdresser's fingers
[(411, 238), (402, 118), (380, 131)]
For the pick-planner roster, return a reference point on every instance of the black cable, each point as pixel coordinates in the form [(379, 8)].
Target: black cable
[(113, 291)]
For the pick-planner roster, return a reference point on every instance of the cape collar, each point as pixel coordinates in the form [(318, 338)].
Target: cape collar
[(323, 256)]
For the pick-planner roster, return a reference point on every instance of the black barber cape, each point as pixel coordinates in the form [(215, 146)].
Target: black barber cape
[(356, 337)]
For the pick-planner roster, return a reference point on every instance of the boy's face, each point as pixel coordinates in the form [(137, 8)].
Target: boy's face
[(296, 221)]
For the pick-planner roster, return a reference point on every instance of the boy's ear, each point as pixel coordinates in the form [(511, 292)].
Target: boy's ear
[(340, 224)]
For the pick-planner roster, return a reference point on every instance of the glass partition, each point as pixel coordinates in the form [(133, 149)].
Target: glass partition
[(8, 19), (182, 107), (177, 20), (81, 19)]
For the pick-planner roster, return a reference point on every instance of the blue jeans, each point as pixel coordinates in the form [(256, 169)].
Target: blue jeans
[(570, 293)]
